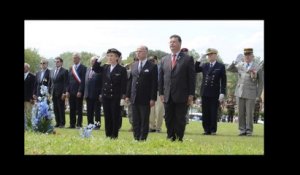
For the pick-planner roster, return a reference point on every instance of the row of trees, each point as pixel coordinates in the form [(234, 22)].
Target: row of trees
[(33, 58)]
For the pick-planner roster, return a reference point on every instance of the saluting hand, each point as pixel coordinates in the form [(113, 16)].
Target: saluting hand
[(152, 103)]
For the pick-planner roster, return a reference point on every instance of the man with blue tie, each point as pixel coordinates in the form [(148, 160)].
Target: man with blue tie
[(249, 88), (213, 89)]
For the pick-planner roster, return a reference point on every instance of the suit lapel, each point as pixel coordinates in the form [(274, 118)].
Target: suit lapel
[(144, 67)]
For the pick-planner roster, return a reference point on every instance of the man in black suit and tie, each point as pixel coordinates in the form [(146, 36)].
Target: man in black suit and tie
[(92, 91), (114, 78), (59, 82), (142, 92), (42, 78), (176, 88), (29, 80), (213, 89), (75, 90)]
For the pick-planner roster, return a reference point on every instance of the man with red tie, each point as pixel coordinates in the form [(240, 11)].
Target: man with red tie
[(176, 88)]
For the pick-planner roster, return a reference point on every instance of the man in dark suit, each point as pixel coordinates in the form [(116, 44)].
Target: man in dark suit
[(114, 78), (42, 78), (59, 82), (176, 88), (75, 90), (29, 80), (213, 89), (92, 91), (142, 92)]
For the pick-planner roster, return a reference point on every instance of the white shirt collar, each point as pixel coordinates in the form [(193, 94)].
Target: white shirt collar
[(143, 62), (25, 75), (213, 63), (177, 53), (250, 64), (112, 67)]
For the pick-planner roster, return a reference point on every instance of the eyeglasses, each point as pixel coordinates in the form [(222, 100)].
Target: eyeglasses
[(42, 63)]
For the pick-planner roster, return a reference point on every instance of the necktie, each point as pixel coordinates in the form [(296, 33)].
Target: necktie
[(173, 61), (91, 74), (140, 67), (247, 66), (56, 72), (211, 65)]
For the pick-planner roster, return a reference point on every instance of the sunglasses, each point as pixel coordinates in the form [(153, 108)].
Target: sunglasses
[(42, 63)]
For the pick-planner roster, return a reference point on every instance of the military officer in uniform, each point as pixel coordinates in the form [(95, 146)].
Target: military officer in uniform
[(114, 78), (248, 89), (230, 108), (213, 89)]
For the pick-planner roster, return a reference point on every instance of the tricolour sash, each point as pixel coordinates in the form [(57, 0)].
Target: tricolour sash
[(75, 75)]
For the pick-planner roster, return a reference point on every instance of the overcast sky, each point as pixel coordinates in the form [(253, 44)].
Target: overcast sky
[(229, 37)]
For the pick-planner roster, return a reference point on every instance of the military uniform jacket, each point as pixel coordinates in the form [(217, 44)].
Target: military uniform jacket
[(247, 87), (114, 83), (214, 79)]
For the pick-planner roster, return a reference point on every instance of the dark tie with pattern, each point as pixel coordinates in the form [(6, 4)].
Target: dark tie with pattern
[(140, 67)]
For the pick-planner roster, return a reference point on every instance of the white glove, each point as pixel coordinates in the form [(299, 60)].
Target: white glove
[(202, 58), (221, 97), (239, 58)]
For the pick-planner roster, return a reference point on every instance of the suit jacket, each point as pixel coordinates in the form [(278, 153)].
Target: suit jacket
[(143, 85), (39, 81), (60, 82), (114, 83), (214, 80), (93, 85), (179, 82), (247, 87), (28, 87), (73, 86)]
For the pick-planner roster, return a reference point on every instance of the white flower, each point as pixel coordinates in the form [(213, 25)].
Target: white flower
[(39, 98)]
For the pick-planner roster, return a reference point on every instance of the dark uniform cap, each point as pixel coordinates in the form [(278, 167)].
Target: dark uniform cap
[(184, 50), (113, 50), (211, 51), (248, 51)]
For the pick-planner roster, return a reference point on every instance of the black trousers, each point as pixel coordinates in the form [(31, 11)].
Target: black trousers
[(210, 110), (112, 116), (59, 110), (140, 118), (75, 106), (230, 115), (93, 109), (175, 119)]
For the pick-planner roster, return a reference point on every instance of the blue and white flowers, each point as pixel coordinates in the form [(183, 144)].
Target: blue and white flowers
[(42, 114), (86, 132)]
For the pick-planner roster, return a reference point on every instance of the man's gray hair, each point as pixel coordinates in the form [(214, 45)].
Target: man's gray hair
[(27, 65), (77, 55)]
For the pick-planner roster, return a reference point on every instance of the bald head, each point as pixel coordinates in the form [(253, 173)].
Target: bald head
[(142, 52), (26, 67)]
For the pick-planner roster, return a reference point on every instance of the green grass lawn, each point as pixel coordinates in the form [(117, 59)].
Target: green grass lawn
[(69, 142)]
